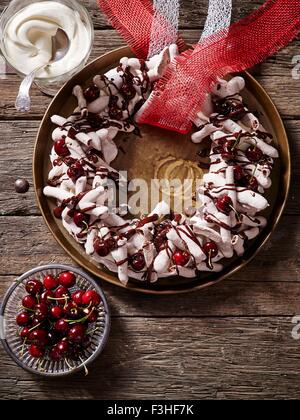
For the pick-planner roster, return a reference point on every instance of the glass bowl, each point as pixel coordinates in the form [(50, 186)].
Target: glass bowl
[(14, 345), (49, 85)]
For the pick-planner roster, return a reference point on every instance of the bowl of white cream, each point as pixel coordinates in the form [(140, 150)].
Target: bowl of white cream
[(26, 31)]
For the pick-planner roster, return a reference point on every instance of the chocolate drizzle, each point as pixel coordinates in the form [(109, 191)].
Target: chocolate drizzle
[(225, 153)]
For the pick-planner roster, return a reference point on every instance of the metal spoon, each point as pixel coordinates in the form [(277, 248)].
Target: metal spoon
[(60, 47)]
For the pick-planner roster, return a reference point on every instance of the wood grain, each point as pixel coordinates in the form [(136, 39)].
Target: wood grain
[(240, 358), (238, 297), (192, 14)]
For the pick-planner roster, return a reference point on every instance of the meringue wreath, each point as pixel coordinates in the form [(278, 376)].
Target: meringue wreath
[(164, 243)]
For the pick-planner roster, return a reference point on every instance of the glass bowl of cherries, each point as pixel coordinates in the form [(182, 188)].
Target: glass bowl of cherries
[(54, 321)]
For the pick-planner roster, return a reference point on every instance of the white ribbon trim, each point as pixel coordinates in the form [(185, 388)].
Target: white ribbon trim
[(218, 17), (164, 30)]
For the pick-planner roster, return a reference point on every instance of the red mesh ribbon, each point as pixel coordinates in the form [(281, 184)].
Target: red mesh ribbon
[(133, 20), (248, 42)]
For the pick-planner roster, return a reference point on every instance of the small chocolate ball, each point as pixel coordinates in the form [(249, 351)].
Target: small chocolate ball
[(21, 186)]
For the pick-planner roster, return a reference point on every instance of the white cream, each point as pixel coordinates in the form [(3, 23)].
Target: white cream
[(28, 43)]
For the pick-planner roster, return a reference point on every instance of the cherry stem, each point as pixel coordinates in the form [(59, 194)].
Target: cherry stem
[(27, 309), (93, 331), (35, 327), (85, 318), (68, 364), (84, 365), (40, 365), (86, 225), (23, 346), (62, 298), (254, 171), (209, 260), (236, 213), (237, 140)]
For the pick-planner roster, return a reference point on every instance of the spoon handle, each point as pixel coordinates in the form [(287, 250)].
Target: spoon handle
[(23, 102)]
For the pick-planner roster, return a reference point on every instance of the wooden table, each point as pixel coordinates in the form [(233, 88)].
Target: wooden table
[(230, 341)]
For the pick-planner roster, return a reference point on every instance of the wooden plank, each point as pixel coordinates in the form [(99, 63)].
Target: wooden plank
[(192, 14), (148, 358), (235, 297), (278, 65), (16, 149), (26, 243)]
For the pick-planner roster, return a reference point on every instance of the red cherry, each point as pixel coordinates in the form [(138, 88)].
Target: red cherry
[(211, 249), (55, 355), (57, 162), (69, 161), (71, 174), (77, 297), (181, 258), (63, 348), (111, 243), (41, 312), (62, 292), (45, 297), (238, 173), (115, 113), (56, 312), (92, 316), (50, 283), (250, 182), (91, 297), (58, 212), (72, 310), (224, 204), (101, 247), (29, 302), (254, 154), (91, 93), (53, 337), (138, 262), (39, 337), (34, 287), (61, 326), (228, 150), (81, 219), (67, 279), (60, 148), (177, 217), (77, 333), (23, 319), (35, 322), (128, 91), (36, 352), (24, 334), (75, 171)]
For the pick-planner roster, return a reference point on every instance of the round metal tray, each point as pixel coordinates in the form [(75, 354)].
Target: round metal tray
[(139, 159)]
